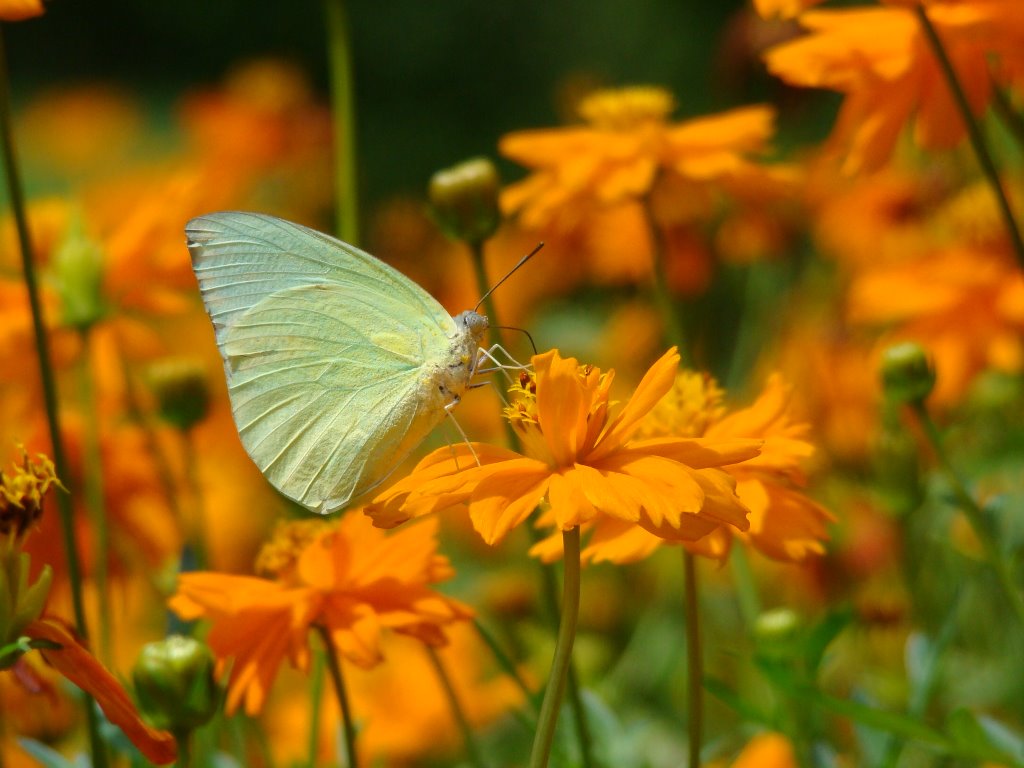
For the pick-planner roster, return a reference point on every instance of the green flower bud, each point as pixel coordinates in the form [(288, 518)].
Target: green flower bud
[(182, 393), (464, 199), (174, 684), (21, 600), (78, 277), (777, 632), (907, 374)]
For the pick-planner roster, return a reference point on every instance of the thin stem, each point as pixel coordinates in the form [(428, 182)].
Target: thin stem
[(548, 587), (343, 110), (663, 297), (94, 491), (316, 689), (1010, 117), (476, 757), (184, 741), (483, 285), (334, 667), (746, 588), (975, 515), (694, 660), (988, 167), (48, 381), (563, 650), (505, 662), (196, 531)]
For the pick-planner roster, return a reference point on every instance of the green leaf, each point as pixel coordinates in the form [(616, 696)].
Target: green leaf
[(821, 636), (721, 691), (49, 757), (973, 739)]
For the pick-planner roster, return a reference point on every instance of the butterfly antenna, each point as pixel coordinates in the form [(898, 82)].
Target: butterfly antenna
[(509, 274), (521, 330)]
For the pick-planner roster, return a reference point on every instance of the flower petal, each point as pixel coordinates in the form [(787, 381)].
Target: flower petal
[(80, 667)]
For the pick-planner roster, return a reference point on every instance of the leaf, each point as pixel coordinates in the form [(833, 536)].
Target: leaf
[(967, 732), (49, 757), (821, 636), (721, 691)]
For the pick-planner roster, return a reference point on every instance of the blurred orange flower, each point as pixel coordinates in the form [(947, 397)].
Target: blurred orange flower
[(881, 61), (584, 461), (19, 10), (350, 578), (767, 750), (965, 304), (608, 181), (784, 523)]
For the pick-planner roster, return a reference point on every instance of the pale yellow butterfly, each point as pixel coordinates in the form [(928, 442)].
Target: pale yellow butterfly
[(337, 365)]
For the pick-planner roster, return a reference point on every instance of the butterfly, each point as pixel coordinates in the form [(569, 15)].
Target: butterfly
[(337, 365)]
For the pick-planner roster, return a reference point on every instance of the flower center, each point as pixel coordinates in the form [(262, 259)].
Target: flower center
[(278, 556), (692, 405), (624, 109)]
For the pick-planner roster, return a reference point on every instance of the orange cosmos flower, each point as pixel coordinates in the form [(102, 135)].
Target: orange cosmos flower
[(881, 61), (24, 625), (769, 9), (783, 523), (767, 750), (350, 578), (605, 181), (585, 462), (964, 303), (19, 10)]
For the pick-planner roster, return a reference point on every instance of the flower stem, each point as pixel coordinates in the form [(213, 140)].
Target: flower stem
[(316, 689), (694, 661), (746, 588), (183, 739), (48, 381), (975, 515), (988, 167), (663, 298), (473, 752), (547, 577), (505, 662), (197, 530), (343, 111), (334, 667), (563, 650)]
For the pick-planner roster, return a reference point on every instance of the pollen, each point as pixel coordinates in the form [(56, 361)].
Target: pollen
[(623, 109), (21, 494), (278, 556), (688, 409)]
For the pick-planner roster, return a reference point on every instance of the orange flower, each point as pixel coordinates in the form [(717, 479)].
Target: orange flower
[(24, 625), (19, 10), (964, 303), (606, 180), (73, 661), (785, 9), (881, 61), (784, 523), (767, 750), (350, 578), (586, 463)]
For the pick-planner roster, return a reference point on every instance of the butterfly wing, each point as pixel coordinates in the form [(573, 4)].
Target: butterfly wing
[(324, 351)]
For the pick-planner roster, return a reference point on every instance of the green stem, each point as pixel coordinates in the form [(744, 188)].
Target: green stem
[(746, 588), (476, 757), (975, 515), (334, 667), (505, 662), (92, 472), (184, 741), (483, 285), (1009, 116), (548, 588), (196, 532), (48, 381), (316, 689), (988, 167), (694, 661), (343, 110), (663, 297), (563, 650)]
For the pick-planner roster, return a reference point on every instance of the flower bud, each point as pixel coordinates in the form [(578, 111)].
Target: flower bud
[(78, 276), (777, 632), (174, 683), (21, 600), (907, 374), (464, 199), (182, 393)]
